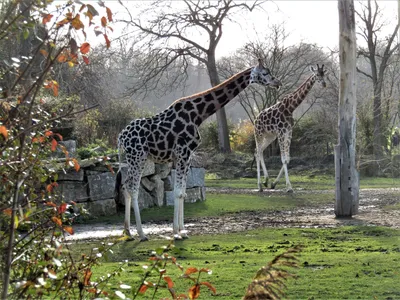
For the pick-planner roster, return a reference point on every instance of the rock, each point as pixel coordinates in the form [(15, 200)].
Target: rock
[(195, 177), (158, 192), (162, 170), (145, 200), (70, 145), (147, 184), (105, 207), (71, 175), (192, 195), (72, 191), (168, 184), (101, 186)]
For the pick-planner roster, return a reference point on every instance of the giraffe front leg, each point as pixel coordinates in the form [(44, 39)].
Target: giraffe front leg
[(260, 188), (273, 184), (266, 176), (285, 161), (137, 216)]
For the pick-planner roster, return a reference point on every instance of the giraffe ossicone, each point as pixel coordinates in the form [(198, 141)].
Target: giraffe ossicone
[(172, 135), (276, 121)]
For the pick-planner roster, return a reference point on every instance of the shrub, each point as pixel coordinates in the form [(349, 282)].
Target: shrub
[(242, 137)]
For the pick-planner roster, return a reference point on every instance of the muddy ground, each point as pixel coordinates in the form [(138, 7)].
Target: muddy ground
[(373, 210)]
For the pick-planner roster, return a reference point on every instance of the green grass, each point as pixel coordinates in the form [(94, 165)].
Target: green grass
[(307, 182), (340, 263), (222, 204)]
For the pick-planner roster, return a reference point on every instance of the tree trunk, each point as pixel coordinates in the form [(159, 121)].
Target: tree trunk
[(222, 123), (377, 133), (347, 179)]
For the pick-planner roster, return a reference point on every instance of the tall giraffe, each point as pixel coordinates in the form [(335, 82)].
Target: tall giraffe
[(172, 135), (276, 121)]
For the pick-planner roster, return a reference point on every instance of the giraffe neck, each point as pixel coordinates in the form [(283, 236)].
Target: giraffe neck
[(301, 93), (202, 105)]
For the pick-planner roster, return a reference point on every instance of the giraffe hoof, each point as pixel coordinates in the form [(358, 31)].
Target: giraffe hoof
[(260, 190), (273, 186), (127, 234), (289, 190)]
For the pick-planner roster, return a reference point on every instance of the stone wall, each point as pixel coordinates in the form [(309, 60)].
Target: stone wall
[(93, 186)]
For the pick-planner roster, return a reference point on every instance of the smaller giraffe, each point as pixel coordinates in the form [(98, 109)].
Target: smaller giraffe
[(173, 135), (277, 122)]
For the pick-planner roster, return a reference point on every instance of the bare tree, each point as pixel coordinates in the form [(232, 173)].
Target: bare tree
[(175, 35), (378, 53)]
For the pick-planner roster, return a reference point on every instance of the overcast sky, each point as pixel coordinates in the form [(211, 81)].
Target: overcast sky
[(309, 21)]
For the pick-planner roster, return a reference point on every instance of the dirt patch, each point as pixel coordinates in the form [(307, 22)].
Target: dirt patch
[(372, 211)]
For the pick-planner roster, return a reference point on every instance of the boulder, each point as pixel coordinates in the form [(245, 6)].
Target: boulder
[(72, 191), (70, 175), (147, 184), (158, 192), (145, 200), (162, 170), (70, 145), (195, 177), (101, 186), (105, 207)]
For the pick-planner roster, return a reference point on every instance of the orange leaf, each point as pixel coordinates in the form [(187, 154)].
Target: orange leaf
[(77, 23), (103, 21), (42, 139), (62, 208), (49, 188), (211, 288), (92, 290), (62, 58), (69, 229), (55, 88), (62, 22), (46, 18), (194, 292), (86, 59), (57, 221), (108, 43), (53, 145), (52, 204), (44, 52), (3, 131), (109, 14), (85, 47), (7, 211), (169, 281), (76, 164), (48, 133), (143, 289), (191, 271), (88, 274)]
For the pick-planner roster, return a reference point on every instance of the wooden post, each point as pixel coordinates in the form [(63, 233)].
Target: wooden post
[(347, 179)]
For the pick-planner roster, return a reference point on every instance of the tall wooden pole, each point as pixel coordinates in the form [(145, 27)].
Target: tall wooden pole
[(347, 179)]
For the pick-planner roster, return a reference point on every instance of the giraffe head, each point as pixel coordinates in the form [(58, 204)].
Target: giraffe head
[(263, 76), (319, 74)]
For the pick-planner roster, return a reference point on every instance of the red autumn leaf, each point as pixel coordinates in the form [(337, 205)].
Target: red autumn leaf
[(76, 164), (53, 145), (109, 14), (42, 139), (194, 292), (46, 18), (143, 289), (92, 290), (108, 43), (85, 47), (103, 21), (59, 136), (48, 133), (86, 59), (55, 88), (57, 221), (86, 279), (7, 211), (3, 131), (191, 271), (69, 229), (62, 208), (52, 204), (169, 281), (210, 287)]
